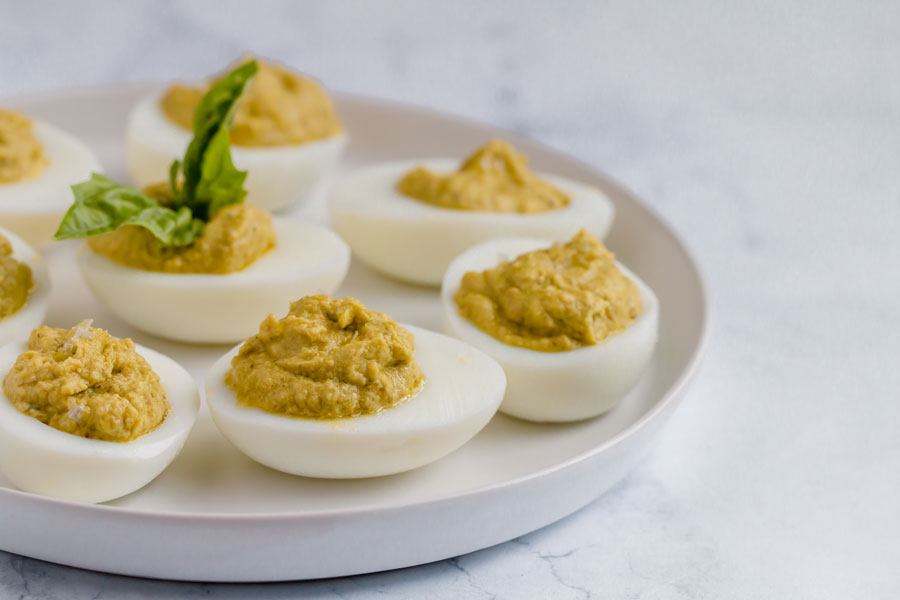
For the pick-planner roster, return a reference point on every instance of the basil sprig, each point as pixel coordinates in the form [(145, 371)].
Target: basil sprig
[(210, 179)]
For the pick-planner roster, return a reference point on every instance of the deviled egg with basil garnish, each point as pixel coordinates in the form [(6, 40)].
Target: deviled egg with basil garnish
[(573, 328), (337, 390), (286, 135), (410, 219), (188, 259), (24, 287), (89, 417), (38, 163)]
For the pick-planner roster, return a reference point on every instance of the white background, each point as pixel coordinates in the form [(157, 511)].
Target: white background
[(767, 132)]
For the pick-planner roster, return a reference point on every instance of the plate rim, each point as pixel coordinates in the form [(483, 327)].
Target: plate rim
[(668, 400)]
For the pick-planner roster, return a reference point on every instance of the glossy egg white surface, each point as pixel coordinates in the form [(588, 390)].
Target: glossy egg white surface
[(201, 308), (415, 241), (40, 459), (277, 177), (34, 208), (18, 325), (555, 386), (462, 390)]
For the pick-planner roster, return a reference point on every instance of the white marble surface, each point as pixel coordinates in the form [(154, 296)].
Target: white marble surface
[(767, 132)]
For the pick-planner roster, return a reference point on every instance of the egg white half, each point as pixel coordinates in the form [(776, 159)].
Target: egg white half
[(19, 324), (555, 386), (201, 308), (277, 177), (34, 208), (415, 241), (463, 388), (40, 459)]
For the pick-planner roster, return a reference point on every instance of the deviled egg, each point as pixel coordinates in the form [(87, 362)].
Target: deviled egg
[(573, 329), (24, 288), (336, 390), (38, 163), (286, 135), (220, 308), (189, 259), (410, 219), (88, 417)]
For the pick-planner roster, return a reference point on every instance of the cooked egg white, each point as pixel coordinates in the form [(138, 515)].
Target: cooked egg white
[(202, 308), (462, 390), (33, 208), (555, 386), (18, 325), (277, 177), (40, 459), (415, 241)]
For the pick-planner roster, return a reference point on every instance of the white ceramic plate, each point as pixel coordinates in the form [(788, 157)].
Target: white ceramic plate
[(214, 515)]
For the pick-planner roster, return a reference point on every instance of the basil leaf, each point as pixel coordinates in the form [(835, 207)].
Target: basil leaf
[(101, 205), (211, 180)]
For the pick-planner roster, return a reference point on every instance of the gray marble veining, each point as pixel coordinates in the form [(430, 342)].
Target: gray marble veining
[(767, 132)]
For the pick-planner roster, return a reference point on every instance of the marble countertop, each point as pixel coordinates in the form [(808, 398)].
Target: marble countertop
[(767, 133)]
